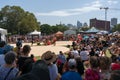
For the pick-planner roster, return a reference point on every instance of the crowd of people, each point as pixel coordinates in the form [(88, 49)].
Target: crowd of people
[(91, 58)]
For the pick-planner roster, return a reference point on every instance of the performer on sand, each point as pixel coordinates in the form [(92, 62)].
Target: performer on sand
[(54, 41)]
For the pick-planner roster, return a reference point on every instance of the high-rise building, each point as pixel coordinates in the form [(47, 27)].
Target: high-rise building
[(100, 24), (79, 24), (113, 21), (85, 25), (70, 25)]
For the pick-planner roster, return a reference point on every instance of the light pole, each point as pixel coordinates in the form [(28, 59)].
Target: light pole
[(105, 8)]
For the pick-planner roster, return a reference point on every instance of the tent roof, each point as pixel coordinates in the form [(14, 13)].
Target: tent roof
[(102, 32), (3, 31), (69, 32), (35, 32), (59, 32), (93, 29)]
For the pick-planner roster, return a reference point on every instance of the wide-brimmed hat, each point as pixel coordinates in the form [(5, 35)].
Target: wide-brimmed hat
[(49, 57)]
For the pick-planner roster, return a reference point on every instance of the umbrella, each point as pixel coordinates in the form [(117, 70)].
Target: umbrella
[(86, 37)]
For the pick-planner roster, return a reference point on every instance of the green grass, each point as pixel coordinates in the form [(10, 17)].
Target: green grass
[(37, 57)]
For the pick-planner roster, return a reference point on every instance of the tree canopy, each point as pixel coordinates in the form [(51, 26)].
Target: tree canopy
[(18, 21), (116, 28), (47, 29)]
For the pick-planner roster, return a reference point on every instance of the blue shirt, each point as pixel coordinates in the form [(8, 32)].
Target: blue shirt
[(71, 75), (53, 70), (62, 58), (4, 71), (2, 50)]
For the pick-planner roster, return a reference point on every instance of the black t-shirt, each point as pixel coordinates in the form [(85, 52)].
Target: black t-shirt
[(91, 53), (25, 64)]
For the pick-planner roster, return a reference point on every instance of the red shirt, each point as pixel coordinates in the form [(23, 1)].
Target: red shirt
[(115, 66)]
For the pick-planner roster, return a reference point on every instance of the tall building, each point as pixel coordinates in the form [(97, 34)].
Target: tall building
[(85, 25), (70, 25), (100, 24), (79, 24), (113, 21)]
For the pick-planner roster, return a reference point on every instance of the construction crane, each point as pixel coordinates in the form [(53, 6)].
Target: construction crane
[(106, 9)]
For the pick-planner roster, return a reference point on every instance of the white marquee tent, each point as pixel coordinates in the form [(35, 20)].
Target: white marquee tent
[(3, 33), (35, 32)]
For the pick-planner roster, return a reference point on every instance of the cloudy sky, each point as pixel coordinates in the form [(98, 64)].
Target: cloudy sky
[(67, 11)]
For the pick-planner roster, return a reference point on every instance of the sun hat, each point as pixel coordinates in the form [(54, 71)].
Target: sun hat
[(49, 57)]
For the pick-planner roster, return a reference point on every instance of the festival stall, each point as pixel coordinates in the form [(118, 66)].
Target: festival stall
[(35, 35), (59, 35), (92, 30)]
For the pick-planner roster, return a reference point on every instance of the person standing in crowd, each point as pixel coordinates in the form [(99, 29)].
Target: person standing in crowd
[(61, 61), (18, 46), (105, 63), (115, 75), (74, 44), (84, 55), (50, 58), (39, 72), (92, 73), (65, 66), (62, 57), (115, 65), (24, 61), (72, 74), (8, 71), (92, 52), (4, 48), (80, 66), (75, 52), (2, 44), (54, 41), (2, 53)]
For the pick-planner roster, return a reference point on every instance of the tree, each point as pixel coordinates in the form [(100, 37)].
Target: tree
[(28, 23), (116, 28), (47, 29), (17, 21), (85, 28), (62, 28)]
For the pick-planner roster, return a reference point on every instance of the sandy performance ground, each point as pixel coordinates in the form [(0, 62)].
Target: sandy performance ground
[(39, 50)]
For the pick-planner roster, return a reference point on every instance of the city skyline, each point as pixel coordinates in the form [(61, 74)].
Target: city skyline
[(67, 11)]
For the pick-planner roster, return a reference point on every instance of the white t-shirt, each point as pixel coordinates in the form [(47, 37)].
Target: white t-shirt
[(75, 53), (84, 55)]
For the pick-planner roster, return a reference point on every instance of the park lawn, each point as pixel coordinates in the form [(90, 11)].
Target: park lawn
[(37, 57)]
